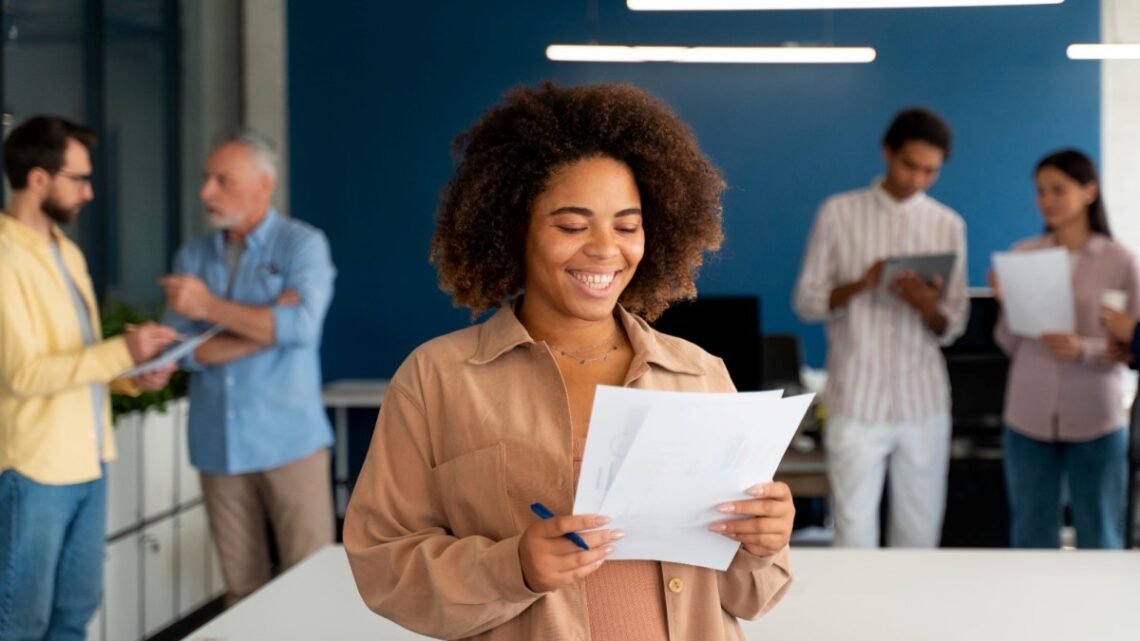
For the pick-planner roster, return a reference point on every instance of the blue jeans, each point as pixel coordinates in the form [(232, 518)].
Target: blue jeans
[(51, 557), (1096, 472)]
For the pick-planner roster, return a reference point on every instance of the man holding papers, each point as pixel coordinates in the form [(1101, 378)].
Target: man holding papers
[(55, 367), (1063, 412), (888, 396), (574, 212), (258, 431)]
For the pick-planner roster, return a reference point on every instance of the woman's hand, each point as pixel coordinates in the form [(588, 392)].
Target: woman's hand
[(770, 527), (1119, 325), (1065, 346), (551, 561), (1119, 352)]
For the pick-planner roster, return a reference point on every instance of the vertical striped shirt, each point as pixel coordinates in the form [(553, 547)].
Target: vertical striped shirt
[(884, 364)]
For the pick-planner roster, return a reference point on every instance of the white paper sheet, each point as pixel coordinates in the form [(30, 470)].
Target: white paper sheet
[(618, 414), (1036, 291), (689, 453), (172, 354)]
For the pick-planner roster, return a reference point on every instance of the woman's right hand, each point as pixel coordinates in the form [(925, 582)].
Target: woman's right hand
[(551, 561)]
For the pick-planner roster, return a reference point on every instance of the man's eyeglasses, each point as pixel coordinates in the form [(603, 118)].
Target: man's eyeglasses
[(83, 180)]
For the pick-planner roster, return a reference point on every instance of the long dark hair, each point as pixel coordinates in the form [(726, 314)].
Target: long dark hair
[(1079, 167)]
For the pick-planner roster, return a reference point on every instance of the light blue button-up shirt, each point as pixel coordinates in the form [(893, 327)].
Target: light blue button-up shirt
[(265, 410)]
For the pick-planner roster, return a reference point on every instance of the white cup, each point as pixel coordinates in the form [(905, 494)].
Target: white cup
[(1114, 299)]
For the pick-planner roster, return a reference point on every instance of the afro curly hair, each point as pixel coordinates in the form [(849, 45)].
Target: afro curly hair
[(507, 158)]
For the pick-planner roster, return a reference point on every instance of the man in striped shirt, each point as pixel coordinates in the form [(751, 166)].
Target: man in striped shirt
[(888, 396)]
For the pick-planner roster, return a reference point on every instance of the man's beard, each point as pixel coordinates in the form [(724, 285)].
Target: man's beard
[(60, 215)]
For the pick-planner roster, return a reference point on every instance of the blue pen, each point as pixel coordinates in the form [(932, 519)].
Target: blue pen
[(543, 513)]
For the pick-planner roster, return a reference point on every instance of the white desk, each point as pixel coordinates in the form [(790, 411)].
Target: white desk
[(342, 395), (839, 595)]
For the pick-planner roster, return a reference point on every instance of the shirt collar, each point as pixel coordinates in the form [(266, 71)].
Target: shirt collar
[(1097, 243), (256, 238), (28, 236), (503, 332), (890, 202)]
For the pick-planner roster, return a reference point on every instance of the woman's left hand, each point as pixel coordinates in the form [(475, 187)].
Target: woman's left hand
[(770, 527), (1064, 345)]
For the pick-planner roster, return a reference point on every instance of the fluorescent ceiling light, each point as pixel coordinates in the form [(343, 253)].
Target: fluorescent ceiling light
[(754, 55), (762, 5), (1103, 51)]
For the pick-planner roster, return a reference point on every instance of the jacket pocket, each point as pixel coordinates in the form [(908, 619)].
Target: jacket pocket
[(473, 490)]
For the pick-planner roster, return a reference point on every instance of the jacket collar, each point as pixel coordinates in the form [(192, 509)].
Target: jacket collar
[(504, 332)]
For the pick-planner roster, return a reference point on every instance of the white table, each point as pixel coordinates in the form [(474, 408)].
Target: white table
[(341, 395), (848, 595)]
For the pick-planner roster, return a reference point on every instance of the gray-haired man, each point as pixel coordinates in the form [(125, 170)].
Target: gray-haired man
[(258, 430)]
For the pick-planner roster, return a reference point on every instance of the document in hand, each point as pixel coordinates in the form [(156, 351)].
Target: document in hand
[(658, 463), (1036, 291), (172, 354)]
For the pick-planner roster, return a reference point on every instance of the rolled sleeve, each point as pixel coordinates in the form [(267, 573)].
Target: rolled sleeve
[(753, 585), (311, 275), (27, 371)]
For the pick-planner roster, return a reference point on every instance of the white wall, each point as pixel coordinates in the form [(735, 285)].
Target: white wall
[(1120, 123)]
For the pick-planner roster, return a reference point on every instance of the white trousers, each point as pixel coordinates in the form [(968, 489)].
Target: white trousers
[(858, 456)]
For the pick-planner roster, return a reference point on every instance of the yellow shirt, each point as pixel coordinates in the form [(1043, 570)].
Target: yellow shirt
[(474, 428), (45, 368)]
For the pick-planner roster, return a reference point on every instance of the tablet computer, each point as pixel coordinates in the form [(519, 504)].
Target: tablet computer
[(925, 265)]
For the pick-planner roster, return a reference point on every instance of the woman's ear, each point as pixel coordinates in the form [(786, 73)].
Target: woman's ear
[(1091, 192)]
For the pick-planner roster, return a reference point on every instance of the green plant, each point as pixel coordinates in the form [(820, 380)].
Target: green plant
[(116, 315)]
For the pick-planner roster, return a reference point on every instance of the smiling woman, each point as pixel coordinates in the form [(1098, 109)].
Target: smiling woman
[(572, 210)]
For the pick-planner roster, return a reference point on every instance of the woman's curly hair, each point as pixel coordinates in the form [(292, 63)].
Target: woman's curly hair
[(509, 155)]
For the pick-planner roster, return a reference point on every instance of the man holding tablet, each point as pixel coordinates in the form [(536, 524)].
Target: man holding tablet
[(888, 395)]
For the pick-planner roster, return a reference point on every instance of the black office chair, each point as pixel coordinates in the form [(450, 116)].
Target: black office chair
[(780, 357)]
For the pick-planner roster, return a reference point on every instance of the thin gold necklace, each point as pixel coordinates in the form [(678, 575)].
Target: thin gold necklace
[(576, 353)]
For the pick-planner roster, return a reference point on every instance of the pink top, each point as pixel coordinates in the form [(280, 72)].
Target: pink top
[(1054, 400), (625, 599)]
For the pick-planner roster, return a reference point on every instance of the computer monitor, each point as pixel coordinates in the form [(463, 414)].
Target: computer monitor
[(725, 326)]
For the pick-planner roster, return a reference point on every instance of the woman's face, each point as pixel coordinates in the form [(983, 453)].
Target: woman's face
[(1061, 199), (584, 242)]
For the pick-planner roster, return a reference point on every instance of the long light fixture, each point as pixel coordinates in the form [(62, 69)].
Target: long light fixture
[(1103, 51), (765, 5), (745, 55)]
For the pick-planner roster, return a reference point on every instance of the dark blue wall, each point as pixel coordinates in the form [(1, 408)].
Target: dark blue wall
[(378, 90)]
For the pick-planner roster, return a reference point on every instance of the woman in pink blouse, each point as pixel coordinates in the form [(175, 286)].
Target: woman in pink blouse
[(1063, 412)]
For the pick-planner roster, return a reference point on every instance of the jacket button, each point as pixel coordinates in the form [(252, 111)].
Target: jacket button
[(676, 585)]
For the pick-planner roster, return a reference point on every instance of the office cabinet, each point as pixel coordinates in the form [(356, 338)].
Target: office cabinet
[(159, 460), (123, 495), (95, 627), (160, 575), (194, 547), (189, 485), (160, 563), (122, 595)]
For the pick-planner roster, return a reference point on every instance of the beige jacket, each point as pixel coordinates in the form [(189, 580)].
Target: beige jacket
[(474, 428)]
